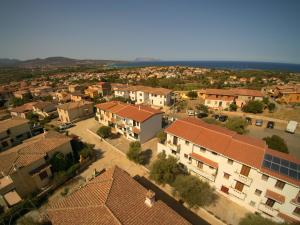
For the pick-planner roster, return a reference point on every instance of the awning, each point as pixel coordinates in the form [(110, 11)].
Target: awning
[(275, 196), (204, 160)]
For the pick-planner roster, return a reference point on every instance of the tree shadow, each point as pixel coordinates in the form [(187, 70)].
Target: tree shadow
[(146, 156), (115, 136), (177, 206)]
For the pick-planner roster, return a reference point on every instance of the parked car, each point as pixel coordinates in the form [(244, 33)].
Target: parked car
[(249, 120), (202, 114), (291, 127), (259, 123), (223, 118), (216, 116), (190, 112), (270, 124), (66, 126)]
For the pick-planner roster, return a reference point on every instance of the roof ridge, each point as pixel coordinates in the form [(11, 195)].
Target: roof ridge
[(113, 215), (75, 207), (112, 181)]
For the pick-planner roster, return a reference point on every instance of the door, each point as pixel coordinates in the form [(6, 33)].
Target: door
[(270, 202), (239, 186), (224, 189), (245, 170)]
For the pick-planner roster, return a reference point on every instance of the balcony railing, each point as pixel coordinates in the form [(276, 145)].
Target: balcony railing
[(267, 209), (236, 193), (243, 179), (203, 173), (174, 147)]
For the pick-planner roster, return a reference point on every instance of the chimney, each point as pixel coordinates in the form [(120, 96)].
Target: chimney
[(150, 198)]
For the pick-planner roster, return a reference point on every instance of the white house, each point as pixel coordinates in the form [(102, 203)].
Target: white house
[(135, 122), (242, 168)]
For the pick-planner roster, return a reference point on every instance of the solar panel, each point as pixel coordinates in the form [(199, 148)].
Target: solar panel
[(282, 166)]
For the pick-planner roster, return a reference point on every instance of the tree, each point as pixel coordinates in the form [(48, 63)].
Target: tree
[(253, 106), (277, 143), (202, 108), (192, 94), (28, 220), (254, 219), (164, 170), (233, 107), (237, 124), (134, 152), (271, 107), (162, 136), (193, 191), (104, 131), (265, 100)]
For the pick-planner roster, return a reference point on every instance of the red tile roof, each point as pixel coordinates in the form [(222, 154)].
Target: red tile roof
[(204, 160), (275, 196), (233, 92), (138, 113), (287, 218), (112, 198)]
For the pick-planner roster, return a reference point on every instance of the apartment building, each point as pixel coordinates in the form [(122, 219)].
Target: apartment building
[(242, 168), (99, 89), (44, 109), (23, 110), (160, 97), (75, 111), (25, 169), (135, 122), (13, 131), (113, 198), (222, 98)]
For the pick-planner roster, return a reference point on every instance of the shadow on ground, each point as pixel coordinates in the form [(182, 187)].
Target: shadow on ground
[(171, 202), (146, 156)]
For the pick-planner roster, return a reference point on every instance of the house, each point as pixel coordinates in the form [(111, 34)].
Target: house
[(287, 93), (23, 110), (25, 169), (160, 97), (113, 198), (222, 98), (135, 122), (74, 88), (62, 96), (240, 167), (77, 96), (45, 109), (42, 91), (74, 111), (22, 94), (13, 131)]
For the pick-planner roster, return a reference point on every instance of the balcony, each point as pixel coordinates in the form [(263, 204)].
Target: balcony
[(173, 147), (267, 209), (245, 180), (237, 193), (203, 173)]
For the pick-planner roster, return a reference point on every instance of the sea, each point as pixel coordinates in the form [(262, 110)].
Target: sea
[(231, 65)]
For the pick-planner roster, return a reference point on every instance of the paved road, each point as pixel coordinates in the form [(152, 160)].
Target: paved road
[(292, 140)]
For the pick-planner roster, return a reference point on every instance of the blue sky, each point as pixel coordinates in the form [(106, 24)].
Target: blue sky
[(262, 30)]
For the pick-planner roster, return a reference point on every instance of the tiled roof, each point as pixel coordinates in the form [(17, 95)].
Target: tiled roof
[(24, 108), (73, 105), (10, 123), (138, 113), (233, 92), (222, 97), (30, 151), (112, 198), (43, 105)]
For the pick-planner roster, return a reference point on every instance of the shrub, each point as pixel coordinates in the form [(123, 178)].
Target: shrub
[(134, 152), (193, 191), (254, 219), (164, 170), (253, 107), (271, 107), (277, 143), (162, 136), (237, 124), (192, 94), (58, 162), (104, 131), (202, 108), (233, 107)]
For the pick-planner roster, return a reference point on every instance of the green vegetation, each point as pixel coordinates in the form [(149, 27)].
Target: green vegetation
[(237, 124), (192, 94), (193, 191), (164, 170), (104, 131), (61, 162), (277, 143), (233, 107), (254, 219), (202, 108), (271, 107), (162, 136), (134, 152), (253, 106)]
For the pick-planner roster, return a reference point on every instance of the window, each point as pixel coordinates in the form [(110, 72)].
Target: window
[(226, 175), (141, 94), (297, 211), (214, 153), (258, 192), (245, 170), (279, 184), (43, 175), (200, 164), (174, 152), (239, 186), (270, 202), (264, 177), (230, 161), (187, 142), (175, 140), (186, 155), (202, 149), (252, 203), (4, 144), (210, 167)]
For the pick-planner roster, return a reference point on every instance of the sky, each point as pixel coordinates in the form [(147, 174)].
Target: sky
[(256, 30)]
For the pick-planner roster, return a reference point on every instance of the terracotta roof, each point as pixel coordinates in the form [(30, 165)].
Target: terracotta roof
[(204, 160), (24, 108), (73, 105), (275, 196), (138, 113), (30, 151), (43, 105), (248, 92), (10, 123), (222, 97), (111, 198), (233, 92), (287, 218)]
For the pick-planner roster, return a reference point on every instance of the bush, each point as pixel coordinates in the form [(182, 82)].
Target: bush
[(134, 152), (193, 191), (202, 108), (237, 124), (277, 143), (271, 107), (162, 136), (192, 94), (104, 131), (254, 219), (59, 162), (233, 107), (164, 170), (253, 107)]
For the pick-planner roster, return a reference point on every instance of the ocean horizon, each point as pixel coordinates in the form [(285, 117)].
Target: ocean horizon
[(231, 65)]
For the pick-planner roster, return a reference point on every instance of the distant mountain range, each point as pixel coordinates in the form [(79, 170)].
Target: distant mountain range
[(52, 62)]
